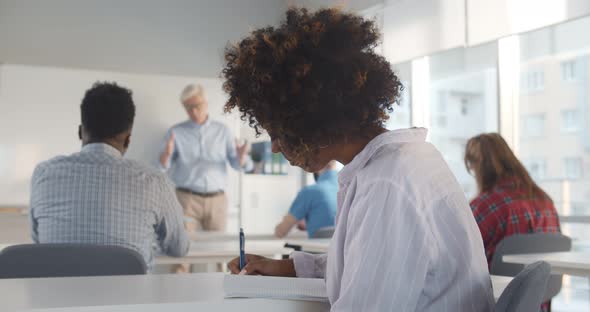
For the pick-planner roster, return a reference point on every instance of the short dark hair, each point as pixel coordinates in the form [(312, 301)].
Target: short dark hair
[(313, 80), (107, 110)]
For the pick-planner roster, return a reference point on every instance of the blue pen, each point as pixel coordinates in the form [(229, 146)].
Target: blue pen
[(242, 253)]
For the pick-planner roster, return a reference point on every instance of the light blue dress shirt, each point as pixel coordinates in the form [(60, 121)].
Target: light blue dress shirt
[(98, 197), (200, 157), (317, 203)]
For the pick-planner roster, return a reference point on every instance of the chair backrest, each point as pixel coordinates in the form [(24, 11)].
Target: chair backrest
[(525, 292), (324, 232), (63, 260), (530, 243)]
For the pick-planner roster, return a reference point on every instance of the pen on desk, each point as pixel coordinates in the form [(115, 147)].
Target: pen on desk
[(242, 253)]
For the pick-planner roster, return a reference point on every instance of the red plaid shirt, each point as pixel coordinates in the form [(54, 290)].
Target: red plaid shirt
[(506, 211)]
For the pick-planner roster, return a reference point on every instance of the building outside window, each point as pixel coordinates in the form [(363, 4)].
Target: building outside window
[(572, 168), (536, 168), (533, 81), (533, 125), (568, 70), (569, 120)]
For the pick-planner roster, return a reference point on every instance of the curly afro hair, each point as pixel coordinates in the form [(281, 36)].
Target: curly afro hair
[(312, 81)]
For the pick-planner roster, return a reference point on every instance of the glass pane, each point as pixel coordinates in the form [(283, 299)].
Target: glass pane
[(554, 115), (400, 117), (463, 103)]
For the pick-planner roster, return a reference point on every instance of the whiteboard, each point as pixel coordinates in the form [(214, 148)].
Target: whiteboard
[(40, 114)]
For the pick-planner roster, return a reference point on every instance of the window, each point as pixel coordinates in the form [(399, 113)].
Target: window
[(533, 80), (536, 168), (569, 120), (442, 104), (441, 121), (463, 102), (464, 106), (568, 70), (572, 168), (533, 126), (563, 54), (400, 117)]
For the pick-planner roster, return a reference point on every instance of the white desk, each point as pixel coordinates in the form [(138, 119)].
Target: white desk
[(223, 236), (225, 251), (183, 292), (318, 245), (570, 263), (199, 292)]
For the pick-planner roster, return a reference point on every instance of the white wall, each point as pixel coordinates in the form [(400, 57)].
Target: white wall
[(179, 37), (421, 27), (266, 200)]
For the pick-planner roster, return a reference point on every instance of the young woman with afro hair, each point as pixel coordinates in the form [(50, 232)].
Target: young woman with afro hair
[(405, 238)]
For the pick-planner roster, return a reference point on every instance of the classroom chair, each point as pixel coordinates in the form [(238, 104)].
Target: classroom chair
[(525, 292), (530, 243), (63, 260), (324, 232)]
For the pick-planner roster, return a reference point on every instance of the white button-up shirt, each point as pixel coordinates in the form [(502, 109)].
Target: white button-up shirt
[(405, 238)]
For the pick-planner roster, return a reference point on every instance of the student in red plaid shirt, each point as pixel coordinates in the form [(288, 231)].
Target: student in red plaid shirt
[(509, 202)]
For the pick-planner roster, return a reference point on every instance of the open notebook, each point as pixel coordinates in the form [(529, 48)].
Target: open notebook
[(256, 286)]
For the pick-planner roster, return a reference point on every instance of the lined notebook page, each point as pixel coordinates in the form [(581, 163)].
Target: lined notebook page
[(256, 286)]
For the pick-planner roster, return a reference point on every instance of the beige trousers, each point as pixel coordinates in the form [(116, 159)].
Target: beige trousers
[(202, 214)]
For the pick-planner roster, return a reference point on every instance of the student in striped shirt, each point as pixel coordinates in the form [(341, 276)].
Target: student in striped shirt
[(405, 238), (97, 196)]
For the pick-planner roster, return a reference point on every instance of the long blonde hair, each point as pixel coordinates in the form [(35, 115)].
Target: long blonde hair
[(489, 158)]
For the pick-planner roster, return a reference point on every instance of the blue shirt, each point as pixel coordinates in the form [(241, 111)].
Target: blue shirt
[(98, 197), (317, 203), (200, 157)]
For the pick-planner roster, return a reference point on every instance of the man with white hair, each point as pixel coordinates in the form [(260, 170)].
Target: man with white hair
[(198, 151)]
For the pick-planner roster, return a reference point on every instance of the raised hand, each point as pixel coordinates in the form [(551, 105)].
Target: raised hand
[(168, 150), (241, 151)]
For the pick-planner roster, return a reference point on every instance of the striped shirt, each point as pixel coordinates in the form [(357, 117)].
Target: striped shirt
[(201, 154), (98, 197), (405, 238)]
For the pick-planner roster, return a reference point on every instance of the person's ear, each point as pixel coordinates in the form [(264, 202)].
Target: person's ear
[(127, 141)]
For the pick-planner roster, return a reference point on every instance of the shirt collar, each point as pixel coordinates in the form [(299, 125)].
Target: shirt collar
[(389, 137), (328, 175), (101, 148), (198, 126)]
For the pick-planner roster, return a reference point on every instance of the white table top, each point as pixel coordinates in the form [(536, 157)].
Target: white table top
[(225, 251), (570, 263), (224, 236), (258, 305), (202, 290), (170, 292), (318, 245)]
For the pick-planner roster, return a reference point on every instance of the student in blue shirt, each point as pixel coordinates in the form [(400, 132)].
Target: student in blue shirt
[(315, 205)]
